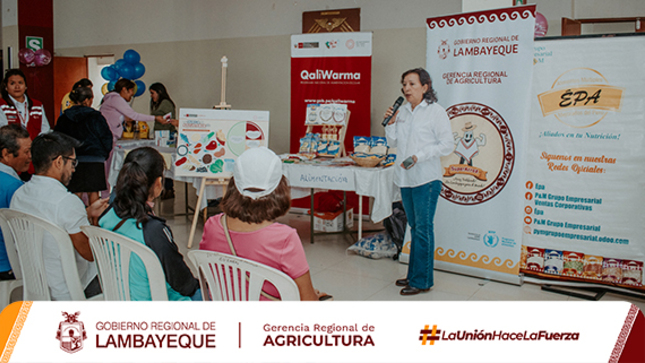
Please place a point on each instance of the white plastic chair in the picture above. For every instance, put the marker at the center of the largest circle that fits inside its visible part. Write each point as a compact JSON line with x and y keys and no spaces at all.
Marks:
{"x":112,"y":253}
{"x":7,"y":286}
{"x":220,"y":278}
{"x":28,"y":231}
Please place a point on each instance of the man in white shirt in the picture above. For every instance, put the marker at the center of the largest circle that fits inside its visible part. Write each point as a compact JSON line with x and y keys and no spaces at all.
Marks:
{"x":46,"y":196}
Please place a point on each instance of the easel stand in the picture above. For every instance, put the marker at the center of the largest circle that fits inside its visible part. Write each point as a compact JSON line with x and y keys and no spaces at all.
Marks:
{"x":205,"y":181}
{"x":223,"y":181}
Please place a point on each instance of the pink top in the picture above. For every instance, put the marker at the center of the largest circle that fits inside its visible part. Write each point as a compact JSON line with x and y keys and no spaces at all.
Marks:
{"x":276,"y":245}
{"x":113,"y":108}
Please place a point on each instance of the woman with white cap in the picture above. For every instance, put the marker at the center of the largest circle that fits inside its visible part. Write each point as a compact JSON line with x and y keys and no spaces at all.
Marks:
{"x":257,"y":195}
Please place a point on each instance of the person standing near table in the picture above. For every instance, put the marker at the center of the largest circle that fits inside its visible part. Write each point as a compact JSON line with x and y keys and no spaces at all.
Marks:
{"x":116,"y":110}
{"x":89,"y":127}
{"x":421,"y":132}
{"x":161,"y":105}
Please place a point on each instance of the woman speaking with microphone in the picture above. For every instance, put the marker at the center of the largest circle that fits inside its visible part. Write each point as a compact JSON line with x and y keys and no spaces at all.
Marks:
{"x":421,"y":132}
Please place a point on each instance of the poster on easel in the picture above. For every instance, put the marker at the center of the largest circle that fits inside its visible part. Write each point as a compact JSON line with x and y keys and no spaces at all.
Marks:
{"x":210,"y":141}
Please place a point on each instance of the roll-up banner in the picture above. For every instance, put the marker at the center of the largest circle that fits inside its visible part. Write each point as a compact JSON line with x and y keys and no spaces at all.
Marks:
{"x":481,"y":66}
{"x":584,"y":199}
{"x":331,"y":68}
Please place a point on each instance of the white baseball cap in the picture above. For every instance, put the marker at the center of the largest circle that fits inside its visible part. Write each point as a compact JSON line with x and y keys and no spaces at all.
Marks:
{"x":257,"y":168}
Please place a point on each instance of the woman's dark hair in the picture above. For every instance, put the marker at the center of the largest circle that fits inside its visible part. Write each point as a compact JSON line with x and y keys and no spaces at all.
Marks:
{"x":83,"y":82}
{"x":267,"y":208}
{"x":430,"y":96}
{"x":141,"y":168}
{"x":3,"y":86}
{"x":163,"y":95}
{"x":80,"y":94}
{"x":47,"y":147}
{"x":123,"y":83}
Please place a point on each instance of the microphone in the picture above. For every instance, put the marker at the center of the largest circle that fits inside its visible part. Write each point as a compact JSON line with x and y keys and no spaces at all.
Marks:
{"x":395,"y":107}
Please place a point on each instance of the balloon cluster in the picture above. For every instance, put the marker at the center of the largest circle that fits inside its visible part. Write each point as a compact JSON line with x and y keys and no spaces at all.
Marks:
{"x":541,"y":25}
{"x":129,"y":67}
{"x":39,"y":58}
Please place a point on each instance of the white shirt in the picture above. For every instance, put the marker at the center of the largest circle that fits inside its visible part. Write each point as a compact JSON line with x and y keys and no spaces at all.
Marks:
{"x":424,"y":132}
{"x":9,"y":170}
{"x":21,"y":107}
{"x":48,"y":198}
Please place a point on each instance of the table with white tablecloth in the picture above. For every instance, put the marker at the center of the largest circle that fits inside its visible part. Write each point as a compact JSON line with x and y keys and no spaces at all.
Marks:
{"x":365,"y":182}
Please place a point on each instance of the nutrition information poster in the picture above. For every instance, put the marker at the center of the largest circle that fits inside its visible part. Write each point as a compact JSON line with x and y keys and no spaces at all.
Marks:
{"x":584,"y":199}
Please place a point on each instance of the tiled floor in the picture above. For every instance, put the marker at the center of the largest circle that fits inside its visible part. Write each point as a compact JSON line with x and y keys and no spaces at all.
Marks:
{"x":355,"y":278}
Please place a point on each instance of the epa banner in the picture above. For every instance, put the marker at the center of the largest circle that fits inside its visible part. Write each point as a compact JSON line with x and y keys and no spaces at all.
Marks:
{"x":481,"y":66}
{"x":584,"y":199}
{"x":276,"y":332}
{"x":331,"y":68}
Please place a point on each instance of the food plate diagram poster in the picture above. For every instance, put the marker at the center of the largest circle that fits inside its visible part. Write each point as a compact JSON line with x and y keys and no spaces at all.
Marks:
{"x":210,"y":141}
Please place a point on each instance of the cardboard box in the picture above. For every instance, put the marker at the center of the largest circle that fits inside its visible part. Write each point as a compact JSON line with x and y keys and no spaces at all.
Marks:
{"x":333,"y":222}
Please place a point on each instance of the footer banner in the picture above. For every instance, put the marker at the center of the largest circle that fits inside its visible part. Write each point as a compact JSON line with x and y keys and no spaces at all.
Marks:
{"x":322,"y":332}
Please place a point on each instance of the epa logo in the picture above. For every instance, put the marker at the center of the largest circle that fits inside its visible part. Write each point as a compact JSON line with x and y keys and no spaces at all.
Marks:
{"x":491,"y":240}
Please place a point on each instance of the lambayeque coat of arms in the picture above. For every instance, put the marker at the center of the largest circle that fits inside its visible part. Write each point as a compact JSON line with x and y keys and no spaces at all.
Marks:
{"x":71,"y":333}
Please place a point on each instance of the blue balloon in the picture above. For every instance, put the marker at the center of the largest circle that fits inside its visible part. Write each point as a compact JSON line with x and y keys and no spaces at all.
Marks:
{"x":118,"y":64}
{"x":127,"y":71}
{"x":141,"y":87}
{"x":108,"y":73}
{"x":139,"y":70}
{"x":111,"y":86}
{"x":131,"y":56}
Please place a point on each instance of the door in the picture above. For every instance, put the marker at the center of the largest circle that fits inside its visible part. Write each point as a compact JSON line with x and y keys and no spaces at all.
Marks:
{"x":67,"y":71}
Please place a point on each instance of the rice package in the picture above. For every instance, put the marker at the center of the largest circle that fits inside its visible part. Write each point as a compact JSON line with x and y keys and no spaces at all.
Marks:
{"x":593,"y":267}
{"x":389,"y":160}
{"x":535,"y":259}
{"x":322,"y":147}
{"x":361,"y":144}
{"x":632,"y":272}
{"x":574,"y":263}
{"x":611,"y":271}
{"x":553,"y":262}
{"x":312,"y":114}
{"x":378,"y":141}
{"x":333,"y":148}
{"x":305,"y":145}
{"x":377,"y":246}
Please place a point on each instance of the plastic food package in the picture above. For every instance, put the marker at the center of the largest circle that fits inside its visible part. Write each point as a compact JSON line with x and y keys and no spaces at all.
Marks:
{"x":375,"y":247}
{"x":553,"y":262}
{"x":574,"y":263}
{"x":535,"y":259}
{"x":611,"y":271}
{"x":593,"y":267}
{"x":632,"y":272}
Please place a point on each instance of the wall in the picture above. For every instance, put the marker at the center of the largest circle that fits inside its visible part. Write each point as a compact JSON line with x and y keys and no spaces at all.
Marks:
{"x":181,"y":43}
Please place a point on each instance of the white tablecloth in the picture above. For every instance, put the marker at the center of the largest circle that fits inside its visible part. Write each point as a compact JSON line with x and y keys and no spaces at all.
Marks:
{"x":370,"y":182}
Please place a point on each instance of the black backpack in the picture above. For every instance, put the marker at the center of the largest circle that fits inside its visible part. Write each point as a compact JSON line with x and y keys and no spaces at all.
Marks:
{"x":395,"y":226}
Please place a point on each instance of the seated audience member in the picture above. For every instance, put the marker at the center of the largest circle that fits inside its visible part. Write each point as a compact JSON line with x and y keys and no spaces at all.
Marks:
{"x":256,"y":196}
{"x":139,"y":183}
{"x":15,"y":157}
{"x":46,"y":196}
